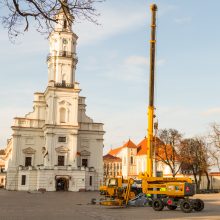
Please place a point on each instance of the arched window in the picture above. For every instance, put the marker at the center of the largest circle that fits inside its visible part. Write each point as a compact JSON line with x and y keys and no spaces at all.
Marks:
{"x":64,"y":51}
{"x":64,"y":79}
{"x":62,"y":115}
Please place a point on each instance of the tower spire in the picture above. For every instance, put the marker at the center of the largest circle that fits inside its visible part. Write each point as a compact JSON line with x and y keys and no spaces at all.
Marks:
{"x":62,"y":59}
{"x":64,"y":18}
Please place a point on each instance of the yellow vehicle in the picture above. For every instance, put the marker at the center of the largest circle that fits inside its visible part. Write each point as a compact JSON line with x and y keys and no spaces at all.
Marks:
{"x":111,"y":184}
{"x":117,"y":192}
{"x":170,"y":192}
{"x":160,"y":191}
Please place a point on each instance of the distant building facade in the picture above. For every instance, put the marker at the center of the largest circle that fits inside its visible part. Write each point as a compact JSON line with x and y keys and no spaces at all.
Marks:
{"x":2,"y":170}
{"x":4,"y":158}
{"x":57,"y":146}
{"x":112,"y":166}
{"x":133,"y":160}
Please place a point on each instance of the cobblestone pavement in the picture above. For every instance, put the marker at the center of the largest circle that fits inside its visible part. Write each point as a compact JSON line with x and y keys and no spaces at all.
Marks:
{"x":75,"y":206}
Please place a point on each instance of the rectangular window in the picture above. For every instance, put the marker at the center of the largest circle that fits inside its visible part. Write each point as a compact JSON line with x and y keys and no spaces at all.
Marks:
{"x":132,"y":160}
{"x":64,"y":24}
{"x":90,"y":180}
{"x":2,"y":181}
{"x":61,"y":160}
{"x":84,"y":162}
{"x":23,"y":180}
{"x":28,"y":161}
{"x":61,"y":139}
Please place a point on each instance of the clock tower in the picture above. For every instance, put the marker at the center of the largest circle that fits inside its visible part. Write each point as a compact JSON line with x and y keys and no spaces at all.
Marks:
{"x":57,"y":146}
{"x":62,"y":58}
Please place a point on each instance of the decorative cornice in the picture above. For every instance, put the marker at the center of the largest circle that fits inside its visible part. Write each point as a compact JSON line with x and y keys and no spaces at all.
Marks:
{"x":85,"y":153}
{"x":29,"y":150}
{"x":62,"y":149}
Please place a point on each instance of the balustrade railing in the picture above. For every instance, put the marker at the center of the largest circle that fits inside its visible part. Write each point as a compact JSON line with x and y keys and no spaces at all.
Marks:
{"x":64,"y":85}
{"x":63,"y":54}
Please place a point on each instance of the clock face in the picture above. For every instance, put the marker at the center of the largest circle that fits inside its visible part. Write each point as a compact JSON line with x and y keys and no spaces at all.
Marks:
{"x":64,"y":40}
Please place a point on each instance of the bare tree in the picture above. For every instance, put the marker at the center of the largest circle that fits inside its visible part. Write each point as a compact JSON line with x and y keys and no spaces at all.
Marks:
{"x":214,"y":142}
{"x":168,"y":151}
{"x":195,"y":158}
{"x":19,"y":14}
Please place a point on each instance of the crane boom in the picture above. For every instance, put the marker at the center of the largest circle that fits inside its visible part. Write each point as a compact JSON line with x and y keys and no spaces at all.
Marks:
{"x":151,"y":92}
{"x":161,"y":191}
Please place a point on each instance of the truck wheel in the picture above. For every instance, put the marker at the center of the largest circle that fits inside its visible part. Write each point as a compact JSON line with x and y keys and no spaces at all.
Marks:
{"x":157,"y":205}
{"x":199,"y":205}
{"x":186,"y":206}
{"x":171,"y":207}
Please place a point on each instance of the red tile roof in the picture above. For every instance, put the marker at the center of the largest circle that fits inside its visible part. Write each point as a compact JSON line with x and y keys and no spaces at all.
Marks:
{"x":115,"y":151}
{"x":142,"y":147}
{"x":109,"y":157}
{"x":128,"y":144}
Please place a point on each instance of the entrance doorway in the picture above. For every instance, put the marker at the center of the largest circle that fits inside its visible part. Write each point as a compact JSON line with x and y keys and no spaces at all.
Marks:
{"x":62,"y":184}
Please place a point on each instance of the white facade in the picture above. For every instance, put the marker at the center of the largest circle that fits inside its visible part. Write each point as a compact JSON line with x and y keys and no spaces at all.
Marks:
{"x":128,"y":154}
{"x":134,"y":160}
{"x":57,"y":145}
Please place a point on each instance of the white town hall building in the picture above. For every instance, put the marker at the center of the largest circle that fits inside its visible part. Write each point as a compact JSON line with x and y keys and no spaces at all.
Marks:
{"x":57,"y":146}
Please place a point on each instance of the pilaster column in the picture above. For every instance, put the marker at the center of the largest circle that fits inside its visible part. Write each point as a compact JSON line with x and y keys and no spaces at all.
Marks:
{"x":73,"y":150}
{"x":49,"y":146}
{"x":15,"y":151}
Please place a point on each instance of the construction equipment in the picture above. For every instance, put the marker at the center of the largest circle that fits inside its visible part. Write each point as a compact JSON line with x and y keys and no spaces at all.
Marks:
{"x":118,"y":191}
{"x":158,"y":191}
{"x":170,"y":192}
{"x":111,"y":184}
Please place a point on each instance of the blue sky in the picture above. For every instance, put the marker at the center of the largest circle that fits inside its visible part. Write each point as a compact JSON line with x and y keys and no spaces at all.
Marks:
{"x":113,"y":69}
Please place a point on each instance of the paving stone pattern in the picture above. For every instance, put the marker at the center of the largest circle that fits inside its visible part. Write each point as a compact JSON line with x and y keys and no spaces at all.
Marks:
{"x":75,"y":206}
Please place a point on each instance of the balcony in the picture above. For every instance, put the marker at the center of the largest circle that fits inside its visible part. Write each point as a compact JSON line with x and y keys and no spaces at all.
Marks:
{"x":64,"y":85}
{"x":63,"y":54}
{"x":91,"y":126}
{"x":28,"y":123}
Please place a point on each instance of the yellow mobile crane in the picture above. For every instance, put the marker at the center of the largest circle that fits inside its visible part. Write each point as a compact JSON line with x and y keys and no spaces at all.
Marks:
{"x":169,"y":192}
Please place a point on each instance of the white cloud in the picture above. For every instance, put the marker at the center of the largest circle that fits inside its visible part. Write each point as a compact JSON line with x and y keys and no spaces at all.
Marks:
{"x":136,"y":60}
{"x":212,"y":112}
{"x":132,"y":68}
{"x":113,"y":21}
